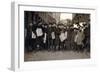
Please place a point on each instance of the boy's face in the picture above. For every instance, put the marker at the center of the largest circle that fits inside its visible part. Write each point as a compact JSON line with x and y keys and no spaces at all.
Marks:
{"x":49,"y":25}
{"x":45,"y":26}
{"x":30,"y":24}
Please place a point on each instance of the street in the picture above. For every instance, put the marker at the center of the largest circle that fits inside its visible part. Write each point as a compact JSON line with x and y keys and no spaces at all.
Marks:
{"x":57,"y":55}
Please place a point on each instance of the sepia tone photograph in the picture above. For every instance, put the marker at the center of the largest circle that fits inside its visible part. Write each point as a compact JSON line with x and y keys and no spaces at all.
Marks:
{"x":56,"y":36}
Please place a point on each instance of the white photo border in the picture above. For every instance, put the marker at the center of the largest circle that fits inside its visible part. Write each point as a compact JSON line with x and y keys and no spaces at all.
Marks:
{"x":17,"y":60}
